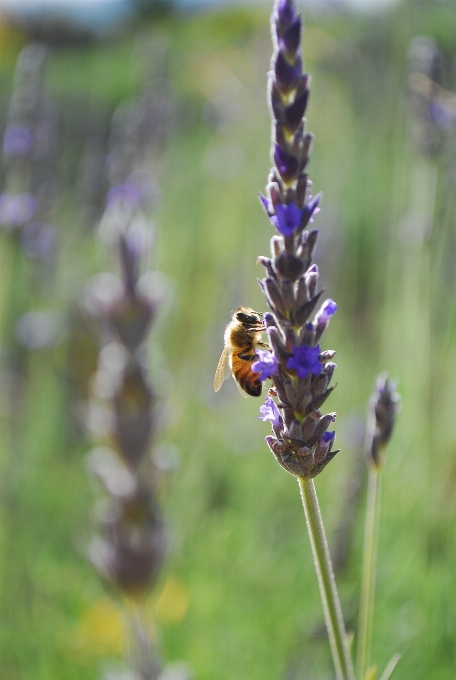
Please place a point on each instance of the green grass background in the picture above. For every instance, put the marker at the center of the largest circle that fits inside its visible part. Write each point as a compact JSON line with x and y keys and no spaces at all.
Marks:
{"x":238,"y":596}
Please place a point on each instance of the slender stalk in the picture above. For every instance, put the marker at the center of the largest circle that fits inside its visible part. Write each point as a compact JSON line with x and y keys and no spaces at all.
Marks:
{"x":366,"y":607}
{"x":328,"y":590}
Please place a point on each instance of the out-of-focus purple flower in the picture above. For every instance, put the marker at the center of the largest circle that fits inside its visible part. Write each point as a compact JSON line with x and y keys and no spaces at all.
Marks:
{"x":266,"y":364}
{"x":442,"y":116}
{"x":17,"y":140}
{"x":38,"y":240}
{"x":16,"y":209}
{"x":269,"y":411}
{"x":305,"y":361}
{"x":328,"y":309}
{"x":128,"y":194}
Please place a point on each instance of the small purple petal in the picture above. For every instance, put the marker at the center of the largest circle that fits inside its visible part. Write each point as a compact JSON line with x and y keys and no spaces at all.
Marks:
{"x":327,"y":437}
{"x":266,"y":364}
{"x":305,"y":360}
{"x":269,"y":411}
{"x":266,"y":204}
{"x":288,"y":218}
{"x":311,"y":208}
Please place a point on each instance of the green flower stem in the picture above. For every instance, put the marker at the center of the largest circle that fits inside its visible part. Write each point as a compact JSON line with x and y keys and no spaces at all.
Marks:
{"x":366,"y":607}
{"x":328,"y":591}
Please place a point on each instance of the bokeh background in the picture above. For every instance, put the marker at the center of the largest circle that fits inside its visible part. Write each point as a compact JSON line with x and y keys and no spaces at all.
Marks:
{"x":170,"y":103}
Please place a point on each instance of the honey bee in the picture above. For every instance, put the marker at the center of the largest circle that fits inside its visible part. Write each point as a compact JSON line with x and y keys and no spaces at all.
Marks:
{"x":242,"y":338}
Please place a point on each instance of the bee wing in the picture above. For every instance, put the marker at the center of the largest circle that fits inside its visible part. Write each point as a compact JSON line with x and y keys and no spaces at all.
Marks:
{"x":240,"y":390}
{"x":223,"y":370}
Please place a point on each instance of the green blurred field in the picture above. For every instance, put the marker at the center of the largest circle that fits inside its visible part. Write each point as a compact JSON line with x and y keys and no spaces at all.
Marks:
{"x":238,"y":597}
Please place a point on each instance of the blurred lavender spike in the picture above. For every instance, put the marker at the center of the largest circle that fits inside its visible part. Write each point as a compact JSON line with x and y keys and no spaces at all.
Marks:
{"x":383,"y":407}
{"x":432,"y":108}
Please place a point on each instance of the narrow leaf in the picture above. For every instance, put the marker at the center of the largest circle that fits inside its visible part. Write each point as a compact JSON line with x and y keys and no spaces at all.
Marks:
{"x":389,"y":670}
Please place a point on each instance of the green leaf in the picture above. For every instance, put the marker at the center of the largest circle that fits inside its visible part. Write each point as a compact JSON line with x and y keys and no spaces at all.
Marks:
{"x":371,"y":673}
{"x":389,"y":670}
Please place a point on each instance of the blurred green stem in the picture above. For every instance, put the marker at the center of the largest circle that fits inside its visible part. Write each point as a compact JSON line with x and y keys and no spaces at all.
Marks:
{"x":326,"y":581}
{"x":366,"y":607}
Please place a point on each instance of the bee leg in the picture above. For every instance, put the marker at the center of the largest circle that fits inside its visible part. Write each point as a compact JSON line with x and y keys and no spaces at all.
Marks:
{"x":266,"y":345}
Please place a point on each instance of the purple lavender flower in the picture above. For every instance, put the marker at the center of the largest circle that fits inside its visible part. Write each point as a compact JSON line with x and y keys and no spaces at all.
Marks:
{"x":302,"y":372}
{"x":128,"y":194}
{"x":266,"y":364}
{"x":287,"y":218}
{"x":305,"y":361}
{"x":269,"y":411}
{"x":16,"y":209}
{"x":17,"y":141}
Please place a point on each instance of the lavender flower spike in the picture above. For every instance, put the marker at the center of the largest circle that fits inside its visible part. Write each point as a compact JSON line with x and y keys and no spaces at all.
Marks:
{"x":302,"y":372}
{"x":300,"y":440}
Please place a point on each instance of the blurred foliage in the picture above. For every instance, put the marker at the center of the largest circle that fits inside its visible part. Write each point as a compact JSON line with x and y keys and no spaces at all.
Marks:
{"x":239,"y":597}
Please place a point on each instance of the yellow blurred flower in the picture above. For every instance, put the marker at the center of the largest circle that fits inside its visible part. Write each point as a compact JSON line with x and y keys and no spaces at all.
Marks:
{"x":172,"y":603}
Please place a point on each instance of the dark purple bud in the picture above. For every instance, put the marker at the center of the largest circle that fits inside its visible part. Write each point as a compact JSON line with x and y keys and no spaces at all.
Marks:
{"x":305,"y":360}
{"x":301,"y":189}
{"x":287,"y":164}
{"x":277,"y":108}
{"x":312,"y":276}
{"x":284,"y":13}
{"x":324,"y":447}
{"x":319,"y":401}
{"x":309,"y":425}
{"x":329,"y":369}
{"x":289,"y":265}
{"x":288,"y":294}
{"x":274,"y":293}
{"x":268,"y":264}
{"x":294,"y":112}
{"x":310,"y":209}
{"x":383,"y":407}
{"x":304,"y":311}
{"x":302,"y":292}
{"x":290,"y":40}
{"x":322,"y":425}
{"x":279,"y":348}
{"x":307,"y":335}
{"x":286,"y":73}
